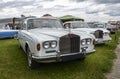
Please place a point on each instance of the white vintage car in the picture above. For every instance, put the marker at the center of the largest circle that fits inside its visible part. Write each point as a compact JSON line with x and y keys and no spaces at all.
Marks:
{"x":101,"y":34}
{"x":45,"y":40}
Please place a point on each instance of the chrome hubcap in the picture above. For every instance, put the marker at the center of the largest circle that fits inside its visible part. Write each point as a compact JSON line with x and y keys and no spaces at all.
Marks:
{"x":29,"y":58}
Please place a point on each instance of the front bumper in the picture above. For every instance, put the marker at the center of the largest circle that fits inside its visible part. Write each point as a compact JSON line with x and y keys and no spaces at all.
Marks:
{"x":102,"y":41}
{"x":90,"y":51}
{"x":59,"y":58}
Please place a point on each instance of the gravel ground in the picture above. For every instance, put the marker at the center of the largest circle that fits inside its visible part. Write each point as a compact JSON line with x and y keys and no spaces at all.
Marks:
{"x":115,"y":73}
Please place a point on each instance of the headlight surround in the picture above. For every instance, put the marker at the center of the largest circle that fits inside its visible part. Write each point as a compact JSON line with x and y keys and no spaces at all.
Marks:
{"x":50,"y":44}
{"x":86,"y":41}
{"x":53,"y":44}
{"x":46,"y":44}
{"x":83,"y":42}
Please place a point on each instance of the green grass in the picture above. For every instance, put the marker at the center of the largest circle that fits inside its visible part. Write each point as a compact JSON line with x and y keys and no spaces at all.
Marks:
{"x":13,"y":64}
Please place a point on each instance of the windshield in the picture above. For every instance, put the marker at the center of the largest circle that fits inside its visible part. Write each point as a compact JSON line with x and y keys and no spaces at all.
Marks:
{"x":80,"y":25}
{"x":44,"y":23}
{"x":98,"y":26}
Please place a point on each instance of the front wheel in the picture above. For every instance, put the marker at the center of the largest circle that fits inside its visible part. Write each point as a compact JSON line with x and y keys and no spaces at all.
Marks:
{"x":31,"y":63}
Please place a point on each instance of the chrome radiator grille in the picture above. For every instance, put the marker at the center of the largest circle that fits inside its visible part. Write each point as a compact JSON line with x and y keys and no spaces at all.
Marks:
{"x":69,"y":44}
{"x":99,"y":34}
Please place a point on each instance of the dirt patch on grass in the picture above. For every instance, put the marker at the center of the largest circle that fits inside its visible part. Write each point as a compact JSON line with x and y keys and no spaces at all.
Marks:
{"x":115,"y":72}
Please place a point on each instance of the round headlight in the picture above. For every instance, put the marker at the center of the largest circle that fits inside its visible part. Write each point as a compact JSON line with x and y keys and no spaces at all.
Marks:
{"x":53,"y":44}
{"x":88,"y":41}
{"x":46,"y":44}
{"x":83,"y":42}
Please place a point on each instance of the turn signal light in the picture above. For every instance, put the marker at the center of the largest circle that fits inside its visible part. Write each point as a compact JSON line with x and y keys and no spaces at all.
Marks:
{"x":94,"y":42}
{"x":38,"y":47}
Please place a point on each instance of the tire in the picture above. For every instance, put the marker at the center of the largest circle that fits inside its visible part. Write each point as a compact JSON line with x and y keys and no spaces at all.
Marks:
{"x":31,"y":63}
{"x":19,"y":46}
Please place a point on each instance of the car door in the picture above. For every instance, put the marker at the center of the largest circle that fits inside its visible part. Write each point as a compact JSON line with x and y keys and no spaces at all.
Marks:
{"x":23,"y":36}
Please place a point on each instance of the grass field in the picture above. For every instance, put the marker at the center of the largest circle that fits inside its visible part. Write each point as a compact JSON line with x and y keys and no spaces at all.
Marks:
{"x":13,"y":64}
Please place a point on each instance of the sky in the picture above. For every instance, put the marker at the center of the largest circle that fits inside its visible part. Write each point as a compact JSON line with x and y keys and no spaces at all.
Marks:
{"x":90,"y":10}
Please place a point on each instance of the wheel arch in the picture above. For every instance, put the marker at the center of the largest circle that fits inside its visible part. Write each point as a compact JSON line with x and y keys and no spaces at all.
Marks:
{"x":27,"y":46}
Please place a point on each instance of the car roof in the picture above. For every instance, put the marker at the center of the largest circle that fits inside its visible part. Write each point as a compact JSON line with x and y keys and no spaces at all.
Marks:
{"x":48,"y":16}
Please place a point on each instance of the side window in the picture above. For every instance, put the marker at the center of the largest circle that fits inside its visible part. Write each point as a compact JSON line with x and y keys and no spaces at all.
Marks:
{"x":23,"y":27}
{"x":30,"y":24}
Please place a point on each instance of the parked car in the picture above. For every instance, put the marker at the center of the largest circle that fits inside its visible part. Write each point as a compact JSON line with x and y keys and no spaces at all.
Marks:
{"x":111,"y":28}
{"x":8,"y":33}
{"x":45,"y":40}
{"x":101,"y":35}
{"x":108,"y":26}
{"x":115,"y":23}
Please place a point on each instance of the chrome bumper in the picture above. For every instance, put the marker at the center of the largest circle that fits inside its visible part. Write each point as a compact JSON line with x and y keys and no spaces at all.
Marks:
{"x":102,"y":41}
{"x":59,"y":58}
{"x":90,"y":51}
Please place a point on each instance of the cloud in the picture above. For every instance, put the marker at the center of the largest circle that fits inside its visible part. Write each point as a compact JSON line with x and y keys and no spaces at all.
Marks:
{"x":60,"y":6}
{"x":99,"y":1}
{"x":107,"y":1}
{"x":74,"y":9}
{"x":48,"y":0}
{"x":95,"y":9}
{"x":16,"y":8}
{"x":113,"y":14}
{"x":92,"y":12}
{"x":12,"y":4}
{"x":113,"y":10}
{"x":78,"y":0}
{"x":104,"y":9}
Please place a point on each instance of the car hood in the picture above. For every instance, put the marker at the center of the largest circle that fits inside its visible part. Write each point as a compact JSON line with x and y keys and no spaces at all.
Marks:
{"x":90,"y":30}
{"x":57,"y":33}
{"x":103,"y":29}
{"x":49,"y":32}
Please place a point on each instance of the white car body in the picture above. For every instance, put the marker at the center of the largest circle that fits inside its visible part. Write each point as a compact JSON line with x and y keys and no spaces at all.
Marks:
{"x":66,"y":42}
{"x":85,"y":28}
